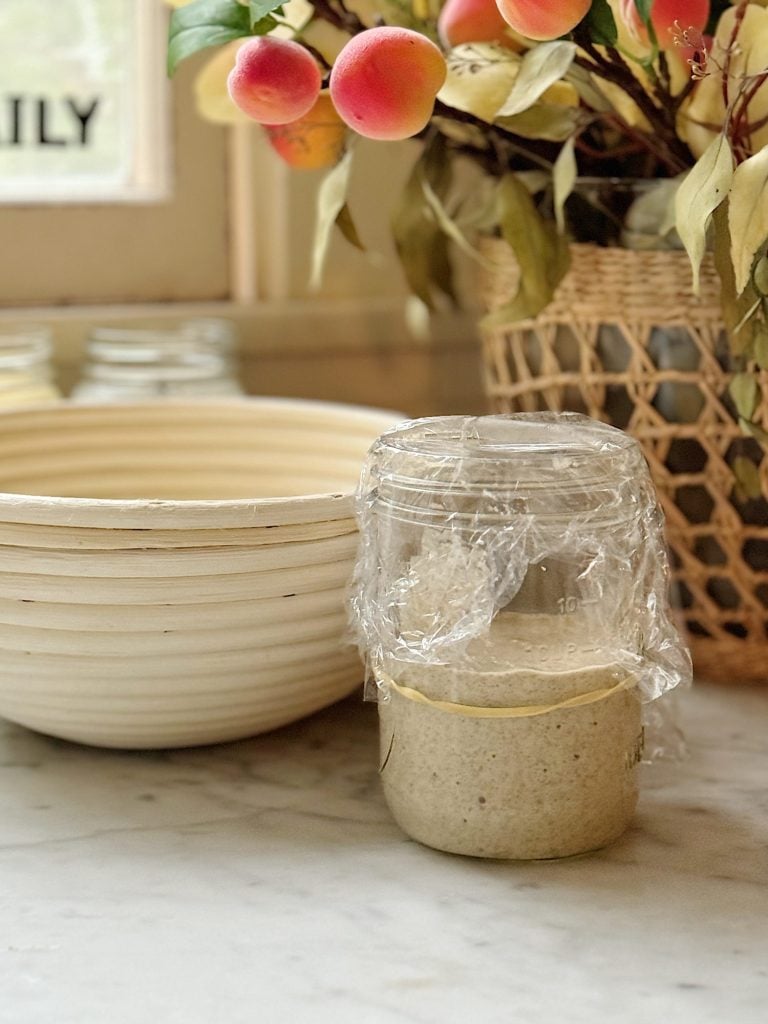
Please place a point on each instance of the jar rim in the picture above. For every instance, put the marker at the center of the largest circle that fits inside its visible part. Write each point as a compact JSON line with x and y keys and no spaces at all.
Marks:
{"x":488,"y":468}
{"x":540,"y":436}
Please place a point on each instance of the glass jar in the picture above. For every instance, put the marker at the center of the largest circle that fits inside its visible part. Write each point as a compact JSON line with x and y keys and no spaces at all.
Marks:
{"x":125,"y":364}
{"x":26,"y":373}
{"x":510,"y":602}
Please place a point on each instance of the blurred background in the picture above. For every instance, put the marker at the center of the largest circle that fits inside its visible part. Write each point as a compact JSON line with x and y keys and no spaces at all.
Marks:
{"x":121,"y":206}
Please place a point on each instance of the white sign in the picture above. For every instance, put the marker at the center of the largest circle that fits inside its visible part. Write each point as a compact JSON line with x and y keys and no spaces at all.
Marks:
{"x":82,"y":100}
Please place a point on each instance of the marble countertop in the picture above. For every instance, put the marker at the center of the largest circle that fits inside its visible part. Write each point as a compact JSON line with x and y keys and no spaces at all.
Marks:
{"x":264,"y":881}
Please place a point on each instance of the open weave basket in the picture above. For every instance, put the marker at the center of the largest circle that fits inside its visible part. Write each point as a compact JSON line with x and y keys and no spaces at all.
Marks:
{"x":626,"y":341}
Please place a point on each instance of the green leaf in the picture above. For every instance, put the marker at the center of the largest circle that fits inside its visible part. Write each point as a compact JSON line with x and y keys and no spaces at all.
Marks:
{"x":541,"y":252}
{"x":204,"y":23}
{"x":747,"y":478}
{"x":738,"y":310}
{"x":331,"y":199}
{"x":601,"y":24}
{"x":348,"y":228}
{"x":760,"y":276}
{"x":261,"y":8}
{"x":564,"y":172}
{"x":644,"y":10}
{"x":703,"y":189}
{"x":760,"y":345}
{"x":745,"y":394}
{"x":748,"y":215}
{"x":747,"y":321}
{"x":755,"y":430}
{"x":422,"y":246}
{"x":541,"y":67}
{"x":450,"y":228}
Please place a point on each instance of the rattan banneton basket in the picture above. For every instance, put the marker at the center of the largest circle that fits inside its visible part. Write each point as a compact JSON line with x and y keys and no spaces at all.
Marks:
{"x":626,"y":341}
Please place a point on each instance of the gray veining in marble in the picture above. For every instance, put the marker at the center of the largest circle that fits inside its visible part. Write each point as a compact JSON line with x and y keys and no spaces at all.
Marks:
{"x":264,"y":881}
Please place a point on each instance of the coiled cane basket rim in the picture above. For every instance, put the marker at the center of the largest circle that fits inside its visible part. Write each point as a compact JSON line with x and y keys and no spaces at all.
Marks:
{"x":719,"y":551}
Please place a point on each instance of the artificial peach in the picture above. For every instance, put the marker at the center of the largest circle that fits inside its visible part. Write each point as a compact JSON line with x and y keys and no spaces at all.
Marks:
{"x":543,"y":19}
{"x":668,"y":17}
{"x":313,"y":141}
{"x":473,"y":21}
{"x":274,"y":80}
{"x":384,"y":82}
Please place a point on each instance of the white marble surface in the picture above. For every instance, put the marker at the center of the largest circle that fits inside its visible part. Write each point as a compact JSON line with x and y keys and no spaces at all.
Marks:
{"x":264,"y":882}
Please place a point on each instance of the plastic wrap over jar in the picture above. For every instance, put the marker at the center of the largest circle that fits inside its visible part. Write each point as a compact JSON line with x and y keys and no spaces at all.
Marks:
{"x":531,"y":540}
{"x":510,"y":601}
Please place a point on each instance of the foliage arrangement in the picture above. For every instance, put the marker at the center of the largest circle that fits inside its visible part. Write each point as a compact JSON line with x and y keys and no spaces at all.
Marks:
{"x":536,"y":95}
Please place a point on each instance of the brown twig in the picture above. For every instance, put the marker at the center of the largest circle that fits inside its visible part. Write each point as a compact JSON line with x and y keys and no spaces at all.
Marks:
{"x":336,"y":14}
{"x":500,"y":139}
{"x":741,"y":130}
{"x":738,"y":18}
{"x":611,"y":66}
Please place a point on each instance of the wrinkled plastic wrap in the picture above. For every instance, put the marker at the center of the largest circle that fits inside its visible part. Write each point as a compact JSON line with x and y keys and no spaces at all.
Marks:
{"x":532,"y":542}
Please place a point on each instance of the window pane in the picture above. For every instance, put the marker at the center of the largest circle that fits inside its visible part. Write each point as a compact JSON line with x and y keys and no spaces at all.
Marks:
{"x":76,"y":118}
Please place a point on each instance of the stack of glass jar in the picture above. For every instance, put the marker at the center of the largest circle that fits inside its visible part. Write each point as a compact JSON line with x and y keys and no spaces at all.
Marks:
{"x":125,"y":364}
{"x":26,"y":375}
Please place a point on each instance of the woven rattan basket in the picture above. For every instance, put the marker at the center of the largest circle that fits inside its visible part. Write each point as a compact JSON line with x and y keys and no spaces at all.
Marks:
{"x":625,"y":341}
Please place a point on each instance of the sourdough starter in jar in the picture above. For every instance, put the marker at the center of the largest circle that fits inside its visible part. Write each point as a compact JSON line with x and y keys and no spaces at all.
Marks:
{"x":510,"y":600}
{"x":549,"y":784}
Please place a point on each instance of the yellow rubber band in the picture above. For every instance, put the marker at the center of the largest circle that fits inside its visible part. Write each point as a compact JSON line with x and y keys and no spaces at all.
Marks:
{"x":522,"y":711}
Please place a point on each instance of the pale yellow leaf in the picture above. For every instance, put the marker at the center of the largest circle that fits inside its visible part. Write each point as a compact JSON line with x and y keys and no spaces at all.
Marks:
{"x":650,"y":221}
{"x":331,"y":199}
{"x":748,"y":215}
{"x":564,"y":172}
{"x":418,"y":319}
{"x":327,"y":39}
{"x":587,"y":88}
{"x":534,"y":181}
{"x":701,"y":192}
{"x":210,"y":88}
{"x":549,"y":121}
{"x":542,"y":66}
{"x":479,"y":78}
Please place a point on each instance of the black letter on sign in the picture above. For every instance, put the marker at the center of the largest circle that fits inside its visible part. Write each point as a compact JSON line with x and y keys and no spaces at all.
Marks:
{"x":83,"y":116}
{"x":42,"y":135}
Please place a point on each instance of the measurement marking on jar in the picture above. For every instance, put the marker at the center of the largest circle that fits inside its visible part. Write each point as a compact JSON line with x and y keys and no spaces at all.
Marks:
{"x":568,"y":605}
